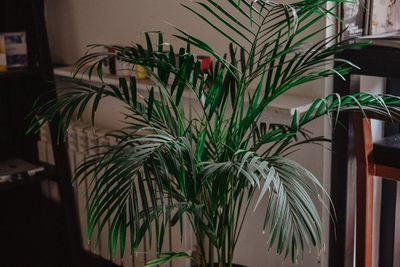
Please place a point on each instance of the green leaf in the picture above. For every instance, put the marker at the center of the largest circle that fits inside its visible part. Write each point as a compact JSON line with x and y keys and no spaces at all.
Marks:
{"x":149,"y":44}
{"x":133,"y":89}
{"x":166,"y":257}
{"x":150,"y":103}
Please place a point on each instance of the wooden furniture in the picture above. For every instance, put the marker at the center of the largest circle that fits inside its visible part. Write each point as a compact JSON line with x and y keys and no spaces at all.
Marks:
{"x":382,"y":159}
{"x":286,"y":104}
{"x":373,"y":61}
{"x":34,"y":230}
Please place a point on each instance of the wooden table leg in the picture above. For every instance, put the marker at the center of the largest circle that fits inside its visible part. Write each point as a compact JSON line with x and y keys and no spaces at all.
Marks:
{"x":364,"y":192}
{"x":365,"y":198}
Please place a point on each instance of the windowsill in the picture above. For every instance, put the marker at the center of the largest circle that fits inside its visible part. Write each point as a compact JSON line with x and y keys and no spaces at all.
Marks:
{"x":286,"y":104}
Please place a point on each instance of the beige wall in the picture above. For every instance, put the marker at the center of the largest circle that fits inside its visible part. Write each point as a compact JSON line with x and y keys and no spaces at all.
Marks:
{"x":73,"y":24}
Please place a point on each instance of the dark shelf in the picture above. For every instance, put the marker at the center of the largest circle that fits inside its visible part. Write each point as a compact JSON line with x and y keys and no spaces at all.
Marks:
{"x":46,"y":232}
{"x":18,"y":73}
{"x":47,"y":174}
{"x":374,"y":60}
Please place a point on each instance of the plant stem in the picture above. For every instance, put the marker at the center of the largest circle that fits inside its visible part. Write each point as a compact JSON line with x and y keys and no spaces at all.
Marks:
{"x":210,"y":254}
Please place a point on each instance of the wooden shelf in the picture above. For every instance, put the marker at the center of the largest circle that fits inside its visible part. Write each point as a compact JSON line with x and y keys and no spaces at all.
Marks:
{"x":286,"y":104}
{"x":47,"y":174}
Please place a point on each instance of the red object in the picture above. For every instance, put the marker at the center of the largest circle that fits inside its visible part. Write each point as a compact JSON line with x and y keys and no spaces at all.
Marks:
{"x":205,"y":62}
{"x":111,"y":60}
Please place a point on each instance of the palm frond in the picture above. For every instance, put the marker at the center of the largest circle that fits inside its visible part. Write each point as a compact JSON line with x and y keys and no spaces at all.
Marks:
{"x":132,"y":180}
{"x":332,"y":105}
{"x":210,"y":160}
{"x":291,"y":213}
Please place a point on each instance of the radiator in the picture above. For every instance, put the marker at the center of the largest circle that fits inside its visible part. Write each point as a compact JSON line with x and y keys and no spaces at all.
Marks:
{"x":81,"y":138}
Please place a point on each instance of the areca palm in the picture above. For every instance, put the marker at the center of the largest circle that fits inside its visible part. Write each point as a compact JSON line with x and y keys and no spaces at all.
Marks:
{"x":209,"y":160}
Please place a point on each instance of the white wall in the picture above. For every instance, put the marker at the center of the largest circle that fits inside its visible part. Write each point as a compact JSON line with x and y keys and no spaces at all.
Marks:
{"x":73,"y":24}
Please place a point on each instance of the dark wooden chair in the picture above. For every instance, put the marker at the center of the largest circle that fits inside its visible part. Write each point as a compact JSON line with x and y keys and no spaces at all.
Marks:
{"x":381,"y":158}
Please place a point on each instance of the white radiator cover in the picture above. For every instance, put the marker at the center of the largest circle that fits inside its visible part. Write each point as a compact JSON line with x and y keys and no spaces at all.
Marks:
{"x":82,"y":138}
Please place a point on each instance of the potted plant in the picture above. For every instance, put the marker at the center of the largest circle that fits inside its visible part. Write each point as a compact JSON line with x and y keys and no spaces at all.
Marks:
{"x":209,"y":161}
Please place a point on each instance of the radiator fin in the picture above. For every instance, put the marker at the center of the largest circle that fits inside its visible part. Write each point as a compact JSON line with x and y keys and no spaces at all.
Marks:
{"x":84,"y":140}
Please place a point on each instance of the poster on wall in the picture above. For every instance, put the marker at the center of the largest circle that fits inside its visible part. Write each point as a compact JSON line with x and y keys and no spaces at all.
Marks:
{"x":3,"y":61}
{"x":354,"y":18}
{"x":385,"y":16}
{"x":16,"y":49}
